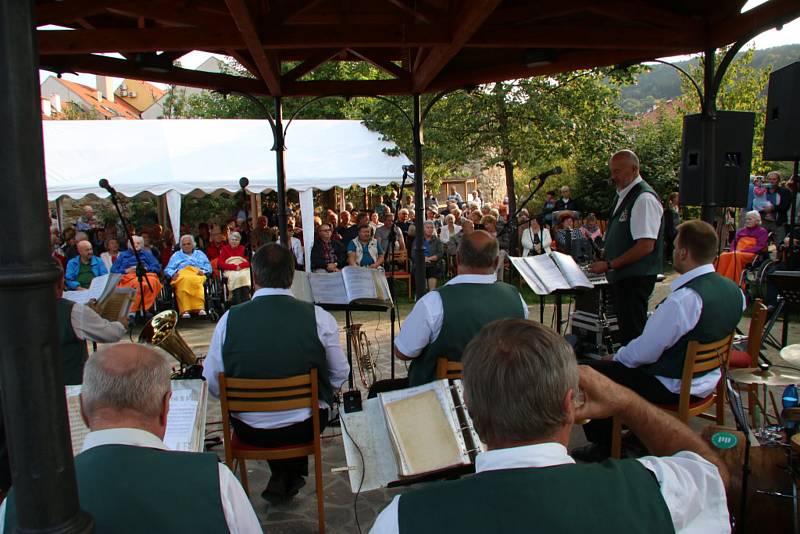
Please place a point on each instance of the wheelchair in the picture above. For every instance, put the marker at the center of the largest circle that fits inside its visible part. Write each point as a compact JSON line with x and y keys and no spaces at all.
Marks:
{"x":212,"y":292}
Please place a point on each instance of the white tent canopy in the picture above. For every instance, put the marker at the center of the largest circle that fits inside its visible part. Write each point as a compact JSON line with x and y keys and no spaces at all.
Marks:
{"x":175,"y":157}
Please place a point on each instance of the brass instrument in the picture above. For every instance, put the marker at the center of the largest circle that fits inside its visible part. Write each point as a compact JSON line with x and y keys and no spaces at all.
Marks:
{"x":362,"y":355}
{"x":161,"y":332}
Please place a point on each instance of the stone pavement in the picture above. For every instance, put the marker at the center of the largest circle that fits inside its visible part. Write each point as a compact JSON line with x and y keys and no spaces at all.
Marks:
{"x":299,"y":516}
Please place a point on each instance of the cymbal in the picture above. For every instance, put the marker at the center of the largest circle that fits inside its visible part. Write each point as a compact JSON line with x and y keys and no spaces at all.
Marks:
{"x":771,"y":377}
{"x":791,"y":353}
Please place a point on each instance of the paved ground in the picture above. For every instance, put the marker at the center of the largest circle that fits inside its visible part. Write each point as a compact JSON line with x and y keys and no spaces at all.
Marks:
{"x":300,"y":515}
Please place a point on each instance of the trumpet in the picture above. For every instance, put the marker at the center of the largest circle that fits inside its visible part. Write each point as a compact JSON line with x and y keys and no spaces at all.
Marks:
{"x":362,"y":355}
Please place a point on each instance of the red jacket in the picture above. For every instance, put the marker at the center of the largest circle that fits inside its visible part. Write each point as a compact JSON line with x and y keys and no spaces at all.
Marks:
{"x":231,"y":252}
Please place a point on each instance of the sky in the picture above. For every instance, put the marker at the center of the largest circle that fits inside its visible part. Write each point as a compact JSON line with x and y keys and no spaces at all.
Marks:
{"x":789,"y":34}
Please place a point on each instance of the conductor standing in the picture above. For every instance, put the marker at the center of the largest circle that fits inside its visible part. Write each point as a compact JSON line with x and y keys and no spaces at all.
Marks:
{"x":634,"y":245}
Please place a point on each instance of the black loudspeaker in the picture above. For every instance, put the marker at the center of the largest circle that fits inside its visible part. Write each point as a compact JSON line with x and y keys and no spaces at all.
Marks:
{"x":724,"y":180}
{"x":782,"y":130}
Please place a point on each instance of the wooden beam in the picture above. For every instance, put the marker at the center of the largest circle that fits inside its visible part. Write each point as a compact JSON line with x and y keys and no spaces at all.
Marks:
{"x":121,"y":68}
{"x":419,"y":9}
{"x":384,"y":65}
{"x":167,"y":12}
{"x":467,"y":22}
{"x":310,"y":64}
{"x":628,"y":11}
{"x":223,"y":36}
{"x":267,"y":65}
{"x":606,"y":37}
{"x":63,"y":12}
{"x":348,"y":88}
{"x":244,"y":59}
{"x":759,"y":19}
{"x":137,"y":40}
{"x":288,"y":10}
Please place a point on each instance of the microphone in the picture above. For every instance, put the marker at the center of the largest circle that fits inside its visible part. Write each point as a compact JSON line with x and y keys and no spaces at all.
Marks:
{"x":243,"y":182}
{"x":105,"y":185}
{"x":408,"y":168}
{"x":551,"y":172}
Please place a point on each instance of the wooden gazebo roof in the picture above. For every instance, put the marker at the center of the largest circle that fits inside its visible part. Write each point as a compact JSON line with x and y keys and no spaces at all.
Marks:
{"x":420,"y":45}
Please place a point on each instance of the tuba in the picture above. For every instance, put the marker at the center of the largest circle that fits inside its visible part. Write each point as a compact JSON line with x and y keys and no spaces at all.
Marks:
{"x":362,"y":354}
{"x":161,"y":332}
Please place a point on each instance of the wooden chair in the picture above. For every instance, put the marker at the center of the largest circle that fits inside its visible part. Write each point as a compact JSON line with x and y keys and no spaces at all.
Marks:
{"x":403,"y":273}
{"x":749,"y":358}
{"x":447,"y":369}
{"x":247,"y":395}
{"x":700,"y":358}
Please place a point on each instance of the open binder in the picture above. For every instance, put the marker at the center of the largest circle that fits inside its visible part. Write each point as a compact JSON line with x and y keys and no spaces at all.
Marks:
{"x":111,"y":302}
{"x":351,"y":285}
{"x":551,"y":272}
{"x":429,"y":428}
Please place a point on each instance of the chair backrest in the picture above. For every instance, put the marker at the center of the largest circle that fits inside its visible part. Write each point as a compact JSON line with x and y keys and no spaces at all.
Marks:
{"x":756,"y":332}
{"x":272,"y":395}
{"x":704,"y":357}
{"x":447,"y":369}
{"x":400,"y":256}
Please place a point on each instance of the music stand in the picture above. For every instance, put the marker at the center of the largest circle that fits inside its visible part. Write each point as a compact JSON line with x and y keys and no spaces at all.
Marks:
{"x":788,"y":285}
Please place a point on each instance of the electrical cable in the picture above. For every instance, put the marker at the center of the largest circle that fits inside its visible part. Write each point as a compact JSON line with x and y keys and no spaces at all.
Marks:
{"x":363,"y":469}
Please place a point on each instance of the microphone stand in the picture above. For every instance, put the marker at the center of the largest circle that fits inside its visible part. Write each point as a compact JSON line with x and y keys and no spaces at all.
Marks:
{"x":512,"y":219}
{"x":141,"y":271}
{"x":390,"y":254}
{"x":248,"y":250}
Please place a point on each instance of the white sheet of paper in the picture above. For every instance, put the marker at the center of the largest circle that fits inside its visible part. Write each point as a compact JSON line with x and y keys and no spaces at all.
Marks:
{"x":359,"y":283}
{"x":328,"y":288}
{"x":571,"y":271}
{"x":529,"y":275}
{"x":180,"y":425}
{"x":547,"y":271}
{"x":77,"y":429}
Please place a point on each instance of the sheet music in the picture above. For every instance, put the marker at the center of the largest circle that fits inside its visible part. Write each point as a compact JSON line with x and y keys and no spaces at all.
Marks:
{"x":547,"y":271}
{"x":77,"y":429}
{"x":528,"y":275}
{"x":459,"y":386}
{"x":359,"y":283}
{"x":301,"y":288}
{"x":572,"y":272}
{"x":328,"y":288}
{"x":180,"y":424}
{"x":115,"y":307}
{"x":95,"y":291}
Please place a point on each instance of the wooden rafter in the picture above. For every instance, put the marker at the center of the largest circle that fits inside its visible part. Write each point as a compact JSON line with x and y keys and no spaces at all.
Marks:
{"x":267,"y":64}
{"x":310,"y":64}
{"x":63,"y":12}
{"x":467,"y":22}
{"x":384,"y":65}
{"x":167,"y":12}
{"x":761,"y":18}
{"x":244,"y":59}
{"x":348,"y":88}
{"x":137,"y":40}
{"x":627,"y":10}
{"x":121,"y":68}
{"x":293,"y":8}
{"x":419,"y":9}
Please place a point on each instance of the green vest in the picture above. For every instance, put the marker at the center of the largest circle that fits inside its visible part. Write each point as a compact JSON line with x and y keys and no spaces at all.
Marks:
{"x":466,"y":309}
{"x":722,"y":309}
{"x":73,"y":350}
{"x":275,"y":336}
{"x":128,"y":489}
{"x":619,"y":239}
{"x":613,"y":497}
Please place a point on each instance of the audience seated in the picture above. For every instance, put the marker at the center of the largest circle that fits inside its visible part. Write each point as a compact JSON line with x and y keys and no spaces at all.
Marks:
{"x":235,"y":268}
{"x":275,"y":335}
{"x":526,"y":481}
{"x":749,"y":241}
{"x":364,"y":250}
{"x":84,"y":267}
{"x":188,"y":269}
{"x":433,"y":251}
{"x":535,"y":238}
{"x":127,"y":479}
{"x":383,"y":232}
{"x":111,"y":252}
{"x":125,"y":265}
{"x":327,"y":255}
{"x":571,"y":240}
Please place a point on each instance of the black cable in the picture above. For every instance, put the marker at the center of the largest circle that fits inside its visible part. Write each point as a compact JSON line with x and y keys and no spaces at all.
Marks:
{"x":363,"y":470}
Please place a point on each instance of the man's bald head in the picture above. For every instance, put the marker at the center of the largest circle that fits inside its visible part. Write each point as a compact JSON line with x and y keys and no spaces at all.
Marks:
{"x":84,"y":249}
{"x":123,"y":383}
{"x":477,"y":252}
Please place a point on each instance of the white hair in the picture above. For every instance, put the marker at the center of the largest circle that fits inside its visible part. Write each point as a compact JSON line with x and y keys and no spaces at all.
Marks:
{"x":234,"y":235}
{"x":630,"y":155}
{"x":190,"y":236}
{"x":754,"y":214}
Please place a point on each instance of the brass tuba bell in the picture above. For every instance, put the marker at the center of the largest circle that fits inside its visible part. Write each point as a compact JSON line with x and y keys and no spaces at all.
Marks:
{"x":161,"y":332}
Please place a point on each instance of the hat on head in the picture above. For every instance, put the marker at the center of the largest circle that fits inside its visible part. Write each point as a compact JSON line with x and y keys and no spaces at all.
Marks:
{"x":564,"y":214}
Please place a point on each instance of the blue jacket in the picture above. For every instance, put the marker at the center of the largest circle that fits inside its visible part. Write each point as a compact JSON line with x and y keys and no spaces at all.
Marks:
{"x":179,"y":260}
{"x":127,"y":259}
{"x":73,"y":267}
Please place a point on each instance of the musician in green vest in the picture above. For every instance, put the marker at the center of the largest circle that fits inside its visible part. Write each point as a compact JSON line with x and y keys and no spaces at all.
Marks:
{"x":78,"y":323}
{"x":703,"y":306}
{"x":442,"y":322}
{"x":275,"y":335}
{"x":128,"y":481}
{"x":524,"y":391}
{"x":633,"y":245}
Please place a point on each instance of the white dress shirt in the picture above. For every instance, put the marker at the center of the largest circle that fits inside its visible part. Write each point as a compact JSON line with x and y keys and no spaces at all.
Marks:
{"x":645,"y":213}
{"x":90,"y":325}
{"x":239,"y":513}
{"x":424,"y":322}
{"x":673,"y":318}
{"x":691,"y":486}
{"x":328,"y":333}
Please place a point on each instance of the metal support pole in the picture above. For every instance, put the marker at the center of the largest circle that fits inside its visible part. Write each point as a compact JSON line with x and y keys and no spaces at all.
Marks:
{"x":31,"y":381}
{"x":709,"y":137}
{"x":280,"y":149}
{"x":419,"y":204}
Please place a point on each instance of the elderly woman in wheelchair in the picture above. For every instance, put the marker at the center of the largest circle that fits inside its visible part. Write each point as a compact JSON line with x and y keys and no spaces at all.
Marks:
{"x":750,"y":241}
